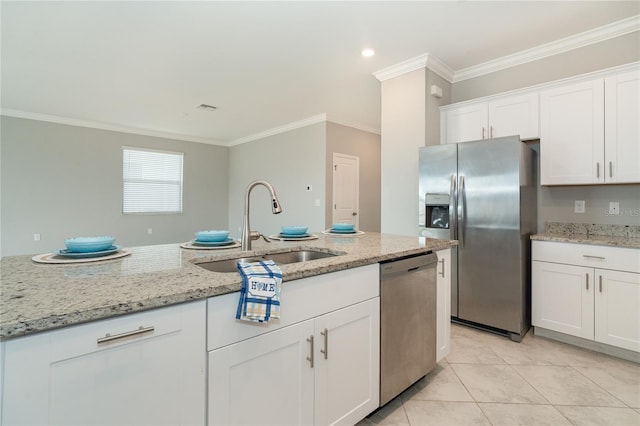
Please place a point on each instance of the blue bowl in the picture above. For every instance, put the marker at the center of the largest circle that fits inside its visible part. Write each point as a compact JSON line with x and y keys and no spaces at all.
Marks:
{"x":212,"y":236}
{"x":294,"y":230}
{"x":88,"y":244}
{"x":343,"y":226}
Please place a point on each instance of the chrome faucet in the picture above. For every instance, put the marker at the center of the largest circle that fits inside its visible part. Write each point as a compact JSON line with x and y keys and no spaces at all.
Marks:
{"x":247,"y":235}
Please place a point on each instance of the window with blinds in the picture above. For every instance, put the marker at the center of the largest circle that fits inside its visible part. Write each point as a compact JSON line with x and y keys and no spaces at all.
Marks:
{"x":151,"y":181}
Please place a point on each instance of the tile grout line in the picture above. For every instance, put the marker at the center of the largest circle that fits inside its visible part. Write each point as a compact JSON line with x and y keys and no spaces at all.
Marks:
{"x":601,"y":387}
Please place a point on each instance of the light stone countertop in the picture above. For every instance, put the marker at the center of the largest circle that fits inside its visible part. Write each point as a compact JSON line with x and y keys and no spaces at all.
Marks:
{"x":592,"y":234}
{"x":37,"y":297}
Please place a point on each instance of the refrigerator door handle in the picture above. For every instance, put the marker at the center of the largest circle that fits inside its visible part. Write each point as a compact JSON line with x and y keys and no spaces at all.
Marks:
{"x":462,"y":214}
{"x":453,"y":195}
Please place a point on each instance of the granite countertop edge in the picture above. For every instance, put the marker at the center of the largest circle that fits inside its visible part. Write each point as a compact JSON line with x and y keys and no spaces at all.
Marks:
{"x":220,"y":284}
{"x":597,"y":240}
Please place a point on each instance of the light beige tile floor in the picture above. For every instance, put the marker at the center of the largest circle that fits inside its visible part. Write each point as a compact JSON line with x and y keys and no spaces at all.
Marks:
{"x":490,"y":380}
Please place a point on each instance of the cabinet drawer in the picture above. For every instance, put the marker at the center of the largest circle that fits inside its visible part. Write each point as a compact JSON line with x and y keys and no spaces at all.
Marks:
{"x":603,"y":257}
{"x":125,"y":330}
{"x":300,"y":300}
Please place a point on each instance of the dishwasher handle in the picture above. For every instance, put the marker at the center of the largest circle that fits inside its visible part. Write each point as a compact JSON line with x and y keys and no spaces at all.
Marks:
{"x":409,"y":264}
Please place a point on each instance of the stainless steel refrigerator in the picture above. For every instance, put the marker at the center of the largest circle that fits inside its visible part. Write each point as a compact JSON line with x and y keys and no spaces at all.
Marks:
{"x":483,"y":194}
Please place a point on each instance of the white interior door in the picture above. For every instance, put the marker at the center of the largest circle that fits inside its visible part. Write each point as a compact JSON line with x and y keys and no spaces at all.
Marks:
{"x":346,"y":169}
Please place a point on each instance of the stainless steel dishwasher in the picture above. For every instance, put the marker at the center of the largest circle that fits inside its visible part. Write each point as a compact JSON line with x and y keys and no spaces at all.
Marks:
{"x":407,"y":322}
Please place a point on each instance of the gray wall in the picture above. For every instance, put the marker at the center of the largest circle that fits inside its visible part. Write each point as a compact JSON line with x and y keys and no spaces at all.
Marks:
{"x":555,"y":204}
{"x":289,"y":161}
{"x":365,"y":145}
{"x":63,"y":181}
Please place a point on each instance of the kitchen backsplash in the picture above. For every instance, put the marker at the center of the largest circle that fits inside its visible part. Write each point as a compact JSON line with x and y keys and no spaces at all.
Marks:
{"x":592,"y":229}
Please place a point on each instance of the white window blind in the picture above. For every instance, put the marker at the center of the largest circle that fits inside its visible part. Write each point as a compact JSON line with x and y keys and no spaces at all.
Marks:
{"x":151,"y":181}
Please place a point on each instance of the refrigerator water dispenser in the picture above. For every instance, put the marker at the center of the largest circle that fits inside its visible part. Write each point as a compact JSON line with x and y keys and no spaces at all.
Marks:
{"x":437,"y":211}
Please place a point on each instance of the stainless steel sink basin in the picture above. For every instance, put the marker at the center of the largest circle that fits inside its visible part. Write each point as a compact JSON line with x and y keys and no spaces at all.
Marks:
{"x":230,"y":265}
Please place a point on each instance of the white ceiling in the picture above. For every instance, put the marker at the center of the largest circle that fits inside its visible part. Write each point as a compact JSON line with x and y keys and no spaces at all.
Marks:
{"x":147,"y":65}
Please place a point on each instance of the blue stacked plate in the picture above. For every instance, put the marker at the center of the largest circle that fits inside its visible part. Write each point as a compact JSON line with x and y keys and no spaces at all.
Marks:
{"x":343,"y":228}
{"x":225,"y":242}
{"x":294,"y":232}
{"x":86,"y":255}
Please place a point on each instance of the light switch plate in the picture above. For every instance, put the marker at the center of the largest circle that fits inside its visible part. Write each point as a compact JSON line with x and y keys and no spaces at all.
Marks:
{"x":578,"y":206}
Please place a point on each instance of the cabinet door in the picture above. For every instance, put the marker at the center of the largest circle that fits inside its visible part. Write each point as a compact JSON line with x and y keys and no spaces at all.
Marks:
{"x":466,"y":123}
{"x":562,"y":298}
{"x":265,"y":380}
{"x":617,"y":309}
{"x":514,"y":115}
{"x":443,"y":292}
{"x":622,"y":131}
{"x":347,"y":364}
{"x":572,"y":134}
{"x":154,"y":377}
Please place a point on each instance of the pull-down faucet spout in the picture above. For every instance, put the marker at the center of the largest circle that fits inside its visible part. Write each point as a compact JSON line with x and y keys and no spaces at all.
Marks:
{"x":247,"y":235}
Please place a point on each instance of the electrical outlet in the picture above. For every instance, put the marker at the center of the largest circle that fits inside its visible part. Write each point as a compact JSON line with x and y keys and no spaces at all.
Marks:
{"x":317,"y":202}
{"x":36,"y":237}
{"x":149,"y":231}
{"x":614,"y":208}
{"x":578,"y":206}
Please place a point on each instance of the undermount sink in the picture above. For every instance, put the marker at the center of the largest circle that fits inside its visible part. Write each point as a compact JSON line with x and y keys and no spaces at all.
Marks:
{"x":230,"y":265}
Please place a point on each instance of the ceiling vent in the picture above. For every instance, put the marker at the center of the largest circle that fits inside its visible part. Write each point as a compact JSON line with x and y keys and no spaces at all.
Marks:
{"x":208,"y":107}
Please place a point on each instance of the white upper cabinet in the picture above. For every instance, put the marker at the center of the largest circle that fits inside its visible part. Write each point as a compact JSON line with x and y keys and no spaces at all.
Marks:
{"x":465,"y":123}
{"x":589,"y":132}
{"x":514,"y":115}
{"x":572,"y":134}
{"x":503,"y":116}
{"x":622,"y":128}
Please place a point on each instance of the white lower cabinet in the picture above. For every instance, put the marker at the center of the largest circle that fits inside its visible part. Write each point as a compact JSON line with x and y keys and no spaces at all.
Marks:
{"x":265,"y":380}
{"x":139,"y":369}
{"x":321,"y":371}
{"x":318,"y":364}
{"x":443,"y":306}
{"x":589,"y":292}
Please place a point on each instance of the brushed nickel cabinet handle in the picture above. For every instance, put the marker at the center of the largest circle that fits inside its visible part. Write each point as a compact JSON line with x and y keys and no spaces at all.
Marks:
{"x":587,"y":276}
{"x":325,"y":351}
{"x":490,"y":132}
{"x":109,"y":338}
{"x":310,"y":358}
{"x":593,"y":257}
{"x":600,"y":282}
{"x":482,"y":132}
{"x":442,"y":271}
{"x":598,"y":170}
{"x":610,"y":169}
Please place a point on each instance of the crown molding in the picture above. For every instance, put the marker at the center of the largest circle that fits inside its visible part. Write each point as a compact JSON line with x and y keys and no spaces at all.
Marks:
{"x":426,"y":60}
{"x":105,"y":126}
{"x":606,"y":32}
{"x":341,"y":122}
{"x":280,"y":129}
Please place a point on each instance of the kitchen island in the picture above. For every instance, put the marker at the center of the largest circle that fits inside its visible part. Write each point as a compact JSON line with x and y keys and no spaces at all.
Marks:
{"x":39,"y":297}
{"x":151,"y":338}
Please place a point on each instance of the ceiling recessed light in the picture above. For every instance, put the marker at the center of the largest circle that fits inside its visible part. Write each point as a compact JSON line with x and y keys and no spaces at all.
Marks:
{"x":207,"y":107}
{"x":368,"y":52}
